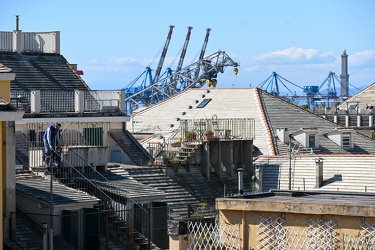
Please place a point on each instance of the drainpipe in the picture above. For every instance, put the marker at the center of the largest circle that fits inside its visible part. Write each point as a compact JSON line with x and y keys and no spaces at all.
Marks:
{"x":240,"y":180}
{"x":319,"y":172}
{"x":45,"y":236}
{"x":258,"y":178}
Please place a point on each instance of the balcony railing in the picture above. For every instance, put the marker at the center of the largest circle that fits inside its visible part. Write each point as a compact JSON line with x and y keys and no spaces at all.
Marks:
{"x":18,"y":41}
{"x":75,"y":102}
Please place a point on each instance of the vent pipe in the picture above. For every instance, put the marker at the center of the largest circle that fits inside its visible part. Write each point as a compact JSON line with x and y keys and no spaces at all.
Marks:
{"x":17,"y":22}
{"x":240,"y":180}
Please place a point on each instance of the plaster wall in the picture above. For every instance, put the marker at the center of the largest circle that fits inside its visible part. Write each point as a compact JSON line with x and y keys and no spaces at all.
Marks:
{"x":40,"y":210}
{"x":247,"y":214}
{"x":113,"y":146}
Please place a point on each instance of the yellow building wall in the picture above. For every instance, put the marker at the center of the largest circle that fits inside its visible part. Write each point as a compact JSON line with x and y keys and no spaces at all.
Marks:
{"x":5,"y":94}
{"x":5,"y":89}
{"x":293,"y":222}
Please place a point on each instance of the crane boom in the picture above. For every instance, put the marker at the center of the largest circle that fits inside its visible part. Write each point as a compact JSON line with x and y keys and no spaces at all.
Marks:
{"x":184,"y":79}
{"x":164,"y":53}
{"x":203,"y":50}
{"x":182,"y":57}
{"x":204,"y":44}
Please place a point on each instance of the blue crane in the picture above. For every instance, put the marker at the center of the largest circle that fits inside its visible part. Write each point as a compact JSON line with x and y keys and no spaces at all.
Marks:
{"x":271,"y":85}
{"x":186,"y":78}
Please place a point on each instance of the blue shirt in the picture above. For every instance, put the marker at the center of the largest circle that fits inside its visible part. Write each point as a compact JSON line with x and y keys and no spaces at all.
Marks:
{"x":52,"y":135}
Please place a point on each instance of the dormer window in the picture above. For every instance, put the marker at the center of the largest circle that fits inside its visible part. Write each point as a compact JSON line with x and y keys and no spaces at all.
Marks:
{"x":308,"y":137}
{"x":342,"y":137}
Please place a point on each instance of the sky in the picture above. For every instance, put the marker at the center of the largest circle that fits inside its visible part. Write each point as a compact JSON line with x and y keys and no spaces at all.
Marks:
{"x":302,"y":41}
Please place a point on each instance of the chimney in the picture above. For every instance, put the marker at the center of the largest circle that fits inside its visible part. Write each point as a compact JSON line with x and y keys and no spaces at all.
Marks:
{"x":17,"y":37}
{"x":17,"y":22}
{"x":319,"y":172}
{"x":283,"y":134}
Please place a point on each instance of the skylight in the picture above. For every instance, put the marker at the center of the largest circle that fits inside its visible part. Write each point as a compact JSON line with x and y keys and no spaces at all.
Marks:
{"x":204,"y":103}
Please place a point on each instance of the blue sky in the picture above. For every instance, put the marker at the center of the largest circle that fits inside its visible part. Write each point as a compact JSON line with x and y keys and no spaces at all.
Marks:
{"x":114,"y":41}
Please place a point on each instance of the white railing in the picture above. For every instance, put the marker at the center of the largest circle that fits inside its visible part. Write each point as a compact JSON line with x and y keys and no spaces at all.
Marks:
{"x":6,"y":41}
{"x":37,"y":102}
{"x":46,"y":42}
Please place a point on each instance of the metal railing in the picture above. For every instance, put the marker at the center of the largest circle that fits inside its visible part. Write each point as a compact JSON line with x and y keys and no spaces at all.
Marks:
{"x":193,"y":132}
{"x":90,"y":180}
{"x":83,"y":176}
{"x":29,"y":230}
{"x":57,"y":102}
{"x":227,"y":128}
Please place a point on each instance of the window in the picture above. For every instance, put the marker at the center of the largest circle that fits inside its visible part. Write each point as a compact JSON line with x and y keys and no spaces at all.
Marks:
{"x":311,"y":141}
{"x":94,"y":136}
{"x":204,"y":103}
{"x":346,"y":141}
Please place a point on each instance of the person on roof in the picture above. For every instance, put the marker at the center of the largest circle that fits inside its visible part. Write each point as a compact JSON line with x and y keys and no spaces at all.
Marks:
{"x":51,"y":139}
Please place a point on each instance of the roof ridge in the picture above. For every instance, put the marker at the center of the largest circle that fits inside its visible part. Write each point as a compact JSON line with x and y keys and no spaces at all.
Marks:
{"x":264,"y":119}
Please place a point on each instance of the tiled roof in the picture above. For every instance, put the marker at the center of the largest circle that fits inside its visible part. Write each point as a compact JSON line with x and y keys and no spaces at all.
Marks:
{"x":47,"y":72}
{"x":270,"y":113}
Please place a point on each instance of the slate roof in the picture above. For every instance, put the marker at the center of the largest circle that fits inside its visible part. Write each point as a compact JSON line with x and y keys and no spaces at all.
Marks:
{"x":40,"y":189}
{"x":282,"y":114}
{"x":45,"y":72}
{"x":134,"y":190}
{"x":183,"y":188}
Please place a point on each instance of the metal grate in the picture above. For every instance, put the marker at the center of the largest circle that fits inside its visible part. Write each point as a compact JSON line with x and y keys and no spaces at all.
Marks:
{"x":274,"y":235}
{"x":213,"y":236}
{"x":364,"y":240}
{"x":321,"y":235}
{"x":58,"y":101}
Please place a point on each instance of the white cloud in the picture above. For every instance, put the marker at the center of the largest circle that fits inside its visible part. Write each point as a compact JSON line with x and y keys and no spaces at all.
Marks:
{"x":295,"y":55}
{"x":364,"y":58}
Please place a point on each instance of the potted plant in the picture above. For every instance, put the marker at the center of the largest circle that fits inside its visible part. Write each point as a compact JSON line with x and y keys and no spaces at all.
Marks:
{"x":176,"y":142}
{"x":190,"y":136}
{"x":209,"y":134}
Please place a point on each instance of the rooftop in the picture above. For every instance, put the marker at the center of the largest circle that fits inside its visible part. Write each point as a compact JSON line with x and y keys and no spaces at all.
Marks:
{"x":321,"y":202}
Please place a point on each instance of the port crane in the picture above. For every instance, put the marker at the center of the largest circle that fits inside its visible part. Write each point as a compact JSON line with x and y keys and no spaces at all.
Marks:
{"x":313,"y":95}
{"x":208,"y":68}
{"x":146,"y":76}
{"x":271,"y":85}
{"x":168,"y":79}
